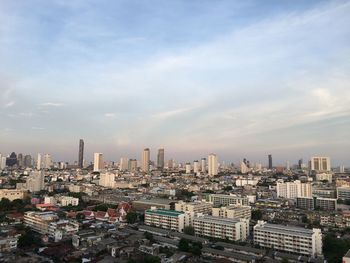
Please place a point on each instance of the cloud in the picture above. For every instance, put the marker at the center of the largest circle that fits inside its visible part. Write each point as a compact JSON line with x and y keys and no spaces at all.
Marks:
{"x":110,"y":115}
{"x":38,"y":128}
{"x":9,"y":104}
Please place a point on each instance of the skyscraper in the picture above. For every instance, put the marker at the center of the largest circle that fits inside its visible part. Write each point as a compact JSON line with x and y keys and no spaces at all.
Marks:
{"x":81,"y":153}
{"x":320,"y":164}
{"x":124,"y":164}
{"x":160,"y":158}
{"x":212,"y":164}
{"x":145,"y":160}
{"x":270,"y":161}
{"x":98,"y":162}
{"x":20,"y":160}
{"x":195,"y":166}
{"x":27,"y":161}
{"x":203,"y":165}
{"x":38,"y":162}
{"x":47,"y":161}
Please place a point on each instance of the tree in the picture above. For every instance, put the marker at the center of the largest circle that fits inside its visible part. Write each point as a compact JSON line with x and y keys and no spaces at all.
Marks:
{"x":189,"y":230}
{"x":284,"y":260}
{"x":152,"y":259}
{"x":184,"y":245}
{"x":149,"y":236}
{"x":5,"y":204}
{"x":131,"y":217}
{"x":28,"y":238}
{"x":80,"y":216}
{"x":256,"y":214}
{"x":335,"y":248}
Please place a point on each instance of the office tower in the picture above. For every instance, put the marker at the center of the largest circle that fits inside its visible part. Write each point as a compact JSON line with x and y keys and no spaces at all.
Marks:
{"x":321,"y":164}
{"x":160,"y":159}
{"x":188,"y":168}
{"x":270,"y":161}
{"x":342,"y":169}
{"x":132,"y":165}
{"x":47,"y":163}
{"x":20,"y":160}
{"x":244,"y":168}
{"x":145,"y":160}
{"x":11,"y":160}
{"x":35,"y":181}
{"x":300,"y":163}
{"x":2,"y":162}
{"x":203,"y":165}
{"x":38,"y":162}
{"x":27,"y":161}
{"x":196,"y":167}
{"x":81,"y":153}
{"x":212,"y":164}
{"x":124,"y":164}
{"x":294,"y":189}
{"x":98,"y":162}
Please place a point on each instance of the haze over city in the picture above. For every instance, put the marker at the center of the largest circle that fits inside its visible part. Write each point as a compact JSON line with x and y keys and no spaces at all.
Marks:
{"x":238,"y":78}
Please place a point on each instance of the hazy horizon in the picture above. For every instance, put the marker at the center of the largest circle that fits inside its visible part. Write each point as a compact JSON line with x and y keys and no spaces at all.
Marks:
{"x":242,"y":79}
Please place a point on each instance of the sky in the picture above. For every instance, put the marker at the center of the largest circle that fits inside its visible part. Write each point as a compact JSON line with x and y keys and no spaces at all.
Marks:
{"x":242,"y":79}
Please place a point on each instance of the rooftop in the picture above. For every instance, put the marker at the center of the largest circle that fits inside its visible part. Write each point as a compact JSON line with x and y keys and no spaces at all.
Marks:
{"x":165,"y":212}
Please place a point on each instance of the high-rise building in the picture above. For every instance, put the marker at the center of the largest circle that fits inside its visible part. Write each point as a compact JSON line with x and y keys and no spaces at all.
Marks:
{"x":160,"y":158}
{"x":27,"y":161}
{"x":270,"y":161}
{"x":107,"y":180}
{"x":212,"y":164}
{"x":294,"y":189}
{"x":124,"y":164}
{"x":35,"y":181}
{"x":81,"y":153}
{"x":320,"y":164}
{"x":188,"y":168}
{"x":47,"y":162}
{"x":11,"y":160}
{"x":20,"y":160}
{"x":195,"y":167}
{"x":300,"y":163}
{"x":132,"y":165}
{"x":38,"y":162}
{"x":98,"y":162}
{"x":2,"y":162}
{"x":171,"y":164}
{"x":204,"y":165}
{"x":145,"y":160}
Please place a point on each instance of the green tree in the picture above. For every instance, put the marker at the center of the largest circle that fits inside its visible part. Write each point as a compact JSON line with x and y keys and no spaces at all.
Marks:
{"x":257,"y":214}
{"x":152,"y":259}
{"x":189,"y":230}
{"x":184,"y":245}
{"x":5,"y":204}
{"x":335,"y":248}
{"x":28,"y":238}
{"x":149,"y":236}
{"x":131,"y":217}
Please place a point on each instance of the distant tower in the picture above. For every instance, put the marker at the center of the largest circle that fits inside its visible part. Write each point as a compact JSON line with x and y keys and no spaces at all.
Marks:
{"x":203,"y":165}
{"x":212,"y":164}
{"x":124,"y":164}
{"x":160,"y":158}
{"x":300,"y":163}
{"x":188,"y":168}
{"x":47,"y":161}
{"x":81,"y":154}
{"x":195,"y":167}
{"x":98,"y":162}
{"x":38,"y":162}
{"x":270,"y":161}
{"x":321,"y":164}
{"x":20,"y":160}
{"x":145,"y":160}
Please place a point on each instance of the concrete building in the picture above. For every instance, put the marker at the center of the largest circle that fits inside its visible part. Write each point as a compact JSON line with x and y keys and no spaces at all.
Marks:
{"x":35,"y":181}
{"x":98,"y":162}
{"x":324,"y":177}
{"x":294,"y":189}
{"x":289,"y":239}
{"x":81,"y":154}
{"x":62,"y":229}
{"x":193,"y":208}
{"x":346,"y":258}
{"x":223,"y":228}
{"x":160,"y":159}
{"x":13,"y":194}
{"x":39,"y":162}
{"x":225,"y":200}
{"x":39,"y":221}
{"x":47,"y":162}
{"x":107,"y":180}
{"x":343,"y":193}
{"x":188,"y":168}
{"x":233,"y":211}
{"x":203,"y":165}
{"x":167,"y":219}
{"x":212,"y":164}
{"x":306,"y":203}
{"x":124,"y":164}
{"x":132,"y":165}
{"x":320,"y":164}
{"x":145,"y":160}
{"x":8,"y":242}
{"x":69,"y":200}
{"x":326,"y":204}
{"x":195,"y":167}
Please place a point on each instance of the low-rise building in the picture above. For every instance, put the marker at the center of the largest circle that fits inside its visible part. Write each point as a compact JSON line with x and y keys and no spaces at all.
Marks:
{"x":232,"y":211}
{"x":288,"y":238}
{"x":343,"y":193}
{"x":222,"y":228}
{"x":225,"y":200}
{"x":69,"y":200}
{"x":39,"y":221}
{"x":13,"y":194}
{"x":168,"y":219}
{"x":63,"y":228}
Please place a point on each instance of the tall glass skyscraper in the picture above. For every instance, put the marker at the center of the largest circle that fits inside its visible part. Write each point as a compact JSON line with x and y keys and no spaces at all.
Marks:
{"x":81,"y":153}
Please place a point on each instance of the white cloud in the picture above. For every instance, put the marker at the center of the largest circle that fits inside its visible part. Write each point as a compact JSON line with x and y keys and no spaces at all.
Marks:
{"x":51,"y":104}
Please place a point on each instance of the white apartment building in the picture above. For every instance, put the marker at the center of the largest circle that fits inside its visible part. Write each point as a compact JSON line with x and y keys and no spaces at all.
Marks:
{"x":233,"y":212}
{"x":192,"y":209}
{"x":212,"y":164}
{"x":98,"y":162}
{"x":12,"y":194}
{"x":324,"y":177}
{"x":35,"y":181}
{"x":223,"y":228}
{"x":69,"y":200}
{"x":39,"y":221}
{"x":225,"y":200}
{"x":63,"y":228}
{"x":294,"y":189}
{"x":167,"y":219}
{"x":320,"y":163}
{"x":107,"y":180}
{"x":289,"y":239}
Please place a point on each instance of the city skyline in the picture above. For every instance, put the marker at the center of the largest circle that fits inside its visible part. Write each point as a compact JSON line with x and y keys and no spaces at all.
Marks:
{"x":240,"y":79}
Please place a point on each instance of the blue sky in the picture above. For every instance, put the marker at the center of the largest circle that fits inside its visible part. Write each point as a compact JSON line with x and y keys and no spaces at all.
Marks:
{"x":239,"y":78}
